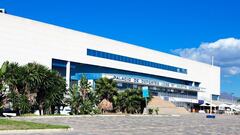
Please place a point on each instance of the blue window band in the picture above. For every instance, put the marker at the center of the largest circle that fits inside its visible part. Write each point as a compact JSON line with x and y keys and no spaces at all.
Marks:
{"x":121,"y":58}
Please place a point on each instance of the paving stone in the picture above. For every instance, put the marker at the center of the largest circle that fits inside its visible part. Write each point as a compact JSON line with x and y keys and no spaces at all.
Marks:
{"x":194,"y":124}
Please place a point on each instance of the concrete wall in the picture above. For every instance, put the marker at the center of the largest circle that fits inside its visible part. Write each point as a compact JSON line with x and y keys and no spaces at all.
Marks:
{"x":23,"y":40}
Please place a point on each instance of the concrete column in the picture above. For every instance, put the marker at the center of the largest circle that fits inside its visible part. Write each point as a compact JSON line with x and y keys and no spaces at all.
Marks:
{"x":68,"y":71}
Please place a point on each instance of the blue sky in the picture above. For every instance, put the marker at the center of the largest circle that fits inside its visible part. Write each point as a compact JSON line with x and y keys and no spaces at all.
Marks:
{"x":172,"y":26}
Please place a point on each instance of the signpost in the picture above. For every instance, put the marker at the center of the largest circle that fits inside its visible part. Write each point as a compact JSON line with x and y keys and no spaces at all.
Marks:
{"x":145,"y":93}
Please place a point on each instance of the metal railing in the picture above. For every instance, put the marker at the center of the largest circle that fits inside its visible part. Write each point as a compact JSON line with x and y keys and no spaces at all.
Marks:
{"x":177,"y":95}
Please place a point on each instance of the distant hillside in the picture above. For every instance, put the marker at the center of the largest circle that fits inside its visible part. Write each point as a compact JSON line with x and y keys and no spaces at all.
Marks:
{"x":228,"y":96}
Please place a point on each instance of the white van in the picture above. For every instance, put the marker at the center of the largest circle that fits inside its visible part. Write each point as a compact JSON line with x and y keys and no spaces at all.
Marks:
{"x":65,"y":110}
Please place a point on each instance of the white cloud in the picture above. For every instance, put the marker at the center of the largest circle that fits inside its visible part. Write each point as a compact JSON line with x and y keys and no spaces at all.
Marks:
{"x":226,"y":54}
{"x":232,"y":70}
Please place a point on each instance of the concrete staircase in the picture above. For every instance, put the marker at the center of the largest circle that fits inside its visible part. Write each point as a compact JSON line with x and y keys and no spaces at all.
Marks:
{"x":166,"y":107}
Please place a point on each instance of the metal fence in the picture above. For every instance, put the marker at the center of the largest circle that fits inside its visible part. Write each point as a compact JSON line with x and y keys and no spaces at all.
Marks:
{"x":177,"y":95}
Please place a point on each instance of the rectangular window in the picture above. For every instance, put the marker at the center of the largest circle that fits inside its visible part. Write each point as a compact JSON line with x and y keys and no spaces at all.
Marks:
{"x":116,"y":57}
{"x":215,"y":97}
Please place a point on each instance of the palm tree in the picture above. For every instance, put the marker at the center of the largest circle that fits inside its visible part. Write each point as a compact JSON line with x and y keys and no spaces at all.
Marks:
{"x":13,"y":78}
{"x":35,"y":83}
{"x":32,"y":84}
{"x":134,"y":100}
{"x":19,"y":102}
{"x":2,"y":95}
{"x":84,"y":87}
{"x":82,"y":98}
{"x":130,"y":101}
{"x":106,"y":89}
{"x":55,"y":92}
{"x":43,"y":87}
{"x":120,"y":102}
{"x":23,"y":80}
{"x":2,"y":72}
{"x":50,"y":91}
{"x":75,"y":99}
{"x":34,"y":74}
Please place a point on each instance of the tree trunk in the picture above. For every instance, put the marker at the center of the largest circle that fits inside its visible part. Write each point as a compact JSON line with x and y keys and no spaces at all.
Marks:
{"x":58,"y":109}
{"x":41,"y":109}
{"x":52,"y":109}
{"x":18,"y":112}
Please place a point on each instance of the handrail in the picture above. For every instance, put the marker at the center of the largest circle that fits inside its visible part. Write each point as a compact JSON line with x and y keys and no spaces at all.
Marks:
{"x":177,"y":95}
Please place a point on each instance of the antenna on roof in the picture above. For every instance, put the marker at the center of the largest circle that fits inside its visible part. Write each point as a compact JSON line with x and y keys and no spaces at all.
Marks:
{"x":212,"y":60}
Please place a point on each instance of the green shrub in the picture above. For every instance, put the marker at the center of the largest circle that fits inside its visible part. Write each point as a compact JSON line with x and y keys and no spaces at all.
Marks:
{"x":156,"y":110}
{"x":150,"y":111}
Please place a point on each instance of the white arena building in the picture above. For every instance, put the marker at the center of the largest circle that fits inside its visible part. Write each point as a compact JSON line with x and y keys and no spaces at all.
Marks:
{"x":74,"y":53}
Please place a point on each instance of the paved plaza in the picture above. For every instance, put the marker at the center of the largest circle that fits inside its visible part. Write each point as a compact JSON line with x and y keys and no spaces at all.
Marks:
{"x":192,"y":124}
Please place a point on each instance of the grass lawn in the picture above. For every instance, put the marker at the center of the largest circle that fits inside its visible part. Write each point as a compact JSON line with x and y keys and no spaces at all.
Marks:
{"x":31,"y":114}
{"x":7,"y":124}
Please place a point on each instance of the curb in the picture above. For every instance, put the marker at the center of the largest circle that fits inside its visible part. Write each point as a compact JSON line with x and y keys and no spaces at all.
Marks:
{"x":83,"y":116}
{"x":160,"y":115}
{"x":69,"y":116}
{"x":35,"y":130}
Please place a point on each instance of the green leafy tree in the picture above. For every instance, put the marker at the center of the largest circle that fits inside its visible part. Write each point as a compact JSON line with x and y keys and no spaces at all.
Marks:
{"x":37,"y":82}
{"x":55,"y":92}
{"x":75,"y":99}
{"x":20,"y":102}
{"x":86,"y":107}
{"x":119,"y":102}
{"x":1,"y":104}
{"x":130,"y":101}
{"x":2,"y":88}
{"x":88,"y":104}
{"x":1,"y":93}
{"x":13,"y":78}
{"x":33,"y":84}
{"x":24,"y":104}
{"x":135,"y":101}
{"x":83,"y":100}
{"x":106,"y":89}
{"x":34,"y":75}
{"x":50,"y":91}
{"x":84,"y":87}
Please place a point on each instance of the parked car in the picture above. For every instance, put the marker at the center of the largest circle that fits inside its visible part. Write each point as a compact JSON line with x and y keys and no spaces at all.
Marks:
{"x":201,"y":111}
{"x":9,"y":113}
{"x":65,"y":110}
